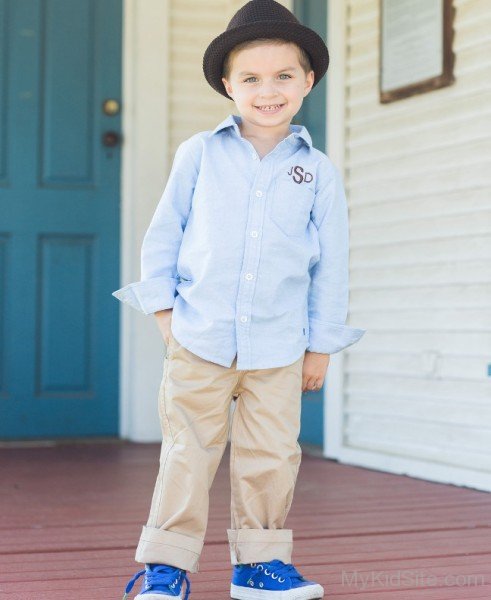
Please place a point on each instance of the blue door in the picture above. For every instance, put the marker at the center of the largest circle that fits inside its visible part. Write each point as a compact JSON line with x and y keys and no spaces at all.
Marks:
{"x":59,"y":217}
{"x":313,"y":13}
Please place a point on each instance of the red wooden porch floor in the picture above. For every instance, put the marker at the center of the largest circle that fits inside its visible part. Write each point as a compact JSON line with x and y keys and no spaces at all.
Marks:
{"x":71,"y":516}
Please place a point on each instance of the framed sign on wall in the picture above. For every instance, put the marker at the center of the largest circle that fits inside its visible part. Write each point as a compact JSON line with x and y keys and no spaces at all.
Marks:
{"x":416,"y":54}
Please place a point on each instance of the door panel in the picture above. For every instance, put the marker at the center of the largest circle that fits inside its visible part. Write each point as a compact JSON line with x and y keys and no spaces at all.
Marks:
{"x":59,"y":218}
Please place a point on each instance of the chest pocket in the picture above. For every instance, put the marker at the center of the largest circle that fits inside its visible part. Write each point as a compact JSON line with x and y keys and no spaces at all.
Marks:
{"x":291,"y":205}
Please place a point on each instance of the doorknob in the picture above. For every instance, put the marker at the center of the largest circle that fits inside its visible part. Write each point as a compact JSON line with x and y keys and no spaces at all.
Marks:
{"x":110,"y":107}
{"x":111,"y":138}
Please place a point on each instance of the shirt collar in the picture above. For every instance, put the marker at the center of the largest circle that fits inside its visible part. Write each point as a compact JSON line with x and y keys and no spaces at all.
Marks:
{"x":298,"y":131}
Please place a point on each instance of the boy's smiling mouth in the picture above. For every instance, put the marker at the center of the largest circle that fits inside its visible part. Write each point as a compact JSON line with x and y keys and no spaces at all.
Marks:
{"x":269,"y":108}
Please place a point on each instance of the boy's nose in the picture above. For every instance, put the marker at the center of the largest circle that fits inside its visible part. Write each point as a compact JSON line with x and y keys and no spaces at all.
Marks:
{"x":268,"y":92}
{"x":268,"y":88}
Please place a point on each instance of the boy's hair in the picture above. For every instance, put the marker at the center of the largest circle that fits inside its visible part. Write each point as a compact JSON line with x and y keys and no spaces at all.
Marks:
{"x":303,"y":57}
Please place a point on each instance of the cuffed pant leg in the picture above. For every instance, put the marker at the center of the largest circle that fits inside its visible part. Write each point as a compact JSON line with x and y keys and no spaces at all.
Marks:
{"x":168,"y":547}
{"x":265,"y":458}
{"x":194,"y":403}
{"x":260,"y":545}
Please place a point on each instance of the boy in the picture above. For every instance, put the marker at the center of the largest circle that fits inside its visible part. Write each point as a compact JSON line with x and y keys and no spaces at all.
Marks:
{"x":245,"y":266}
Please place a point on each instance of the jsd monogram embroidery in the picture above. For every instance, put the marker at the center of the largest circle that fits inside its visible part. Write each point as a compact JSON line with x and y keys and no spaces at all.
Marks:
{"x":299,"y":175}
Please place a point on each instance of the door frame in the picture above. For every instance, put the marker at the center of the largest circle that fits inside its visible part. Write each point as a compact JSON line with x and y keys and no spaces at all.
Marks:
{"x":143,"y":173}
{"x":334,"y":393}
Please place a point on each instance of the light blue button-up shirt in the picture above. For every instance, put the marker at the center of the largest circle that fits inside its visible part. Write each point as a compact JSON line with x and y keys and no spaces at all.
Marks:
{"x":251,"y":254}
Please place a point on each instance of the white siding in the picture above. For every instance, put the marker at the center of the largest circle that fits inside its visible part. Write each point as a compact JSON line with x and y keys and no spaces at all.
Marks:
{"x":418,"y":178}
{"x":194,"y":105}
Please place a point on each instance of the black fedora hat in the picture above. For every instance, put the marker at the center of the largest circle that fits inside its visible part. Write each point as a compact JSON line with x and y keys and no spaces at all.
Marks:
{"x":263,"y":19}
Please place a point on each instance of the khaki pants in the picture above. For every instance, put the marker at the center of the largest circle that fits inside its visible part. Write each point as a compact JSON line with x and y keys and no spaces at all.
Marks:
{"x":194,"y":402}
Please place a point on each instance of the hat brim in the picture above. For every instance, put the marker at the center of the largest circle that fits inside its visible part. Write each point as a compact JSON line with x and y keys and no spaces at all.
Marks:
{"x":301,"y":35}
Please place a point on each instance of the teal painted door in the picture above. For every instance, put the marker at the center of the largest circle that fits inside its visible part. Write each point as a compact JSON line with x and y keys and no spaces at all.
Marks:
{"x":59,"y":217}
{"x":313,"y":13}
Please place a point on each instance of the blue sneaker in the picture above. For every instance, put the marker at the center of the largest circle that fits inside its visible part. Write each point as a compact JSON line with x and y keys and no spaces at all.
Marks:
{"x":160,"y":581}
{"x":273,"y":580}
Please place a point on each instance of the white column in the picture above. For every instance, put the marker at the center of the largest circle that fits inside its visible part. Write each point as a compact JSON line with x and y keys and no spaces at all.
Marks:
{"x":336,"y":42}
{"x":144,"y":173}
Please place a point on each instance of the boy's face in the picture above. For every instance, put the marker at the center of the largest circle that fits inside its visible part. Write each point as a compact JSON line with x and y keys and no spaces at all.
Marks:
{"x":271,"y":76}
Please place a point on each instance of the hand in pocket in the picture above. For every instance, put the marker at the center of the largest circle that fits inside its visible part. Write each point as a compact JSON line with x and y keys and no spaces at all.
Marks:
{"x":164,"y":321}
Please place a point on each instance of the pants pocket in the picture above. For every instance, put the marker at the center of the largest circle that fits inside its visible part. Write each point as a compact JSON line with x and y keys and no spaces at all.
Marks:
{"x":172,"y":346}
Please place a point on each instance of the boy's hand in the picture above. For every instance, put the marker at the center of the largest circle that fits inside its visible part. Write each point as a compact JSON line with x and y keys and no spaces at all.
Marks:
{"x":314,"y":370}
{"x":164,"y":319}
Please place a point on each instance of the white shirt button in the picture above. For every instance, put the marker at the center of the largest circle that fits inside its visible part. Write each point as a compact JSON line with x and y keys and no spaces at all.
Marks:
{"x":259,"y":193}
{"x":253,"y":233}
{"x":243,"y":318}
{"x":249,"y":276}
{"x":254,"y":156}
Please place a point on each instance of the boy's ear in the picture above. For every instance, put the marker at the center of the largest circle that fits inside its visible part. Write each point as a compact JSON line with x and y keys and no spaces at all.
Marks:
{"x":228,"y":88}
{"x":309,"y":82}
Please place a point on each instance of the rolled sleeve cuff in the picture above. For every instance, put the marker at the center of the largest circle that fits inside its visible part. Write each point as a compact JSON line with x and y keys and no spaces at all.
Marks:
{"x":149,"y":296}
{"x":329,"y":338}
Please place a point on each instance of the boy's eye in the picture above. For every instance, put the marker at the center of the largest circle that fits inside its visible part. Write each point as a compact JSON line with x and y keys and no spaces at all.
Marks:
{"x":281,"y":75}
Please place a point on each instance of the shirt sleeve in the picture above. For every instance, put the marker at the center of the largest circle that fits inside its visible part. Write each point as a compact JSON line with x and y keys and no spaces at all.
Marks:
{"x":329,"y":285}
{"x":156,"y":289}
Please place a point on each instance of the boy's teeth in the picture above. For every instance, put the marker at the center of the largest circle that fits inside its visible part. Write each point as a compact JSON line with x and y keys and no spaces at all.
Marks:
{"x":275,"y":106}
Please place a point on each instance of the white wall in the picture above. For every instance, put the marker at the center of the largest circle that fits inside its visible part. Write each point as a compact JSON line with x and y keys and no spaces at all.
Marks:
{"x":417,"y":396}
